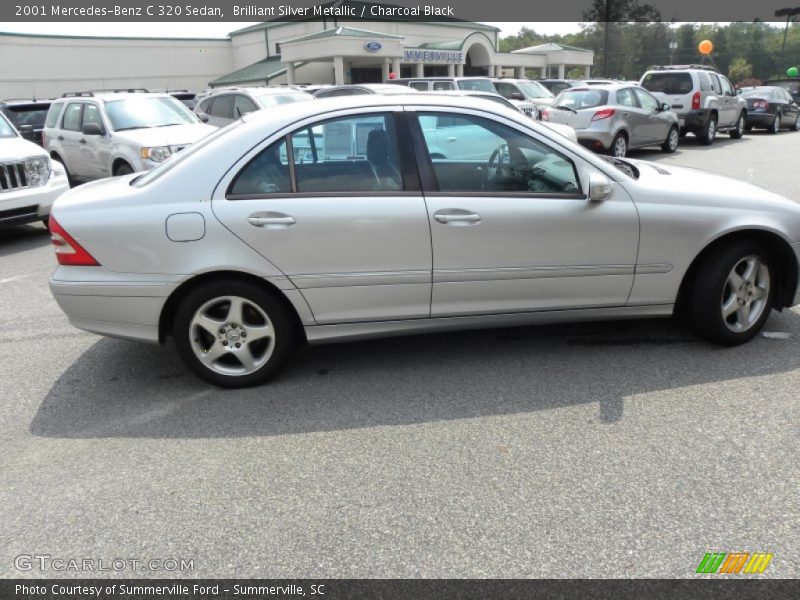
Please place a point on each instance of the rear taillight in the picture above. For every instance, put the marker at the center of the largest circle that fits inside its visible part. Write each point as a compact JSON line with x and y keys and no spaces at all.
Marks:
{"x":68,"y":251}
{"x":760,"y":104}
{"x":603,"y":114}
{"x":545,"y":115}
{"x":696,"y":101}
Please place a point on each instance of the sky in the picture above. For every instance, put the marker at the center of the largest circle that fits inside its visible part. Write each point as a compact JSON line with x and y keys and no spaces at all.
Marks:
{"x":213,"y":30}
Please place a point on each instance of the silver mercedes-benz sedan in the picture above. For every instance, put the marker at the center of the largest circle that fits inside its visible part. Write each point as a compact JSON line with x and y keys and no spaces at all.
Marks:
{"x":353,"y":217}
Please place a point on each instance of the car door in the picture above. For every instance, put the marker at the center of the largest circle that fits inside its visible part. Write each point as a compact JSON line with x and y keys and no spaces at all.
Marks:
{"x":632,"y":116}
{"x":69,"y":137}
{"x":525,"y":238}
{"x":791,"y":107}
{"x":94,"y":149}
{"x":656,"y":122}
{"x":730,"y":103}
{"x":344,"y":220}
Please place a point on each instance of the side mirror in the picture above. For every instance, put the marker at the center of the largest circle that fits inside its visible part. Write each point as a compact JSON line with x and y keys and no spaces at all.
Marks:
{"x":26,"y":128}
{"x":92,"y":129}
{"x":663,"y":106}
{"x":738,"y":92}
{"x":203,"y":117}
{"x":517,"y":96}
{"x":599,"y":187}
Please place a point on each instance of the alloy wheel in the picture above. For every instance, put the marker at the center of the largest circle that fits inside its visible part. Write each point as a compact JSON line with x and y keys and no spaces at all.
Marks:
{"x":673,"y":139}
{"x":232,"y":335}
{"x":776,"y":124}
{"x":746,"y":293}
{"x":620,"y":147}
{"x":712,"y":130}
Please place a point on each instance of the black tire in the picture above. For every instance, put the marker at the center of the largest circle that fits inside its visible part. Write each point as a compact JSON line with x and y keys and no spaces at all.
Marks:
{"x":123,"y":169}
{"x":710,"y":287}
{"x":738,"y":131}
{"x":619,"y":146}
{"x":709,"y":132}
{"x":70,"y":180}
{"x":671,"y":143}
{"x":186,"y":337}
{"x":776,"y":124}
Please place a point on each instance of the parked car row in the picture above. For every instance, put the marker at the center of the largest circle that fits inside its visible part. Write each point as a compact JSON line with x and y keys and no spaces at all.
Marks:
{"x":373,"y":215}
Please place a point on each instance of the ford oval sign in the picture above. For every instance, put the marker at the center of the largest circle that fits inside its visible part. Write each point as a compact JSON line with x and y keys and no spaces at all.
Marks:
{"x":373,"y":46}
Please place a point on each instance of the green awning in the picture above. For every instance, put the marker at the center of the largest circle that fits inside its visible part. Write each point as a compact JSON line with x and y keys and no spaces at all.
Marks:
{"x":259,"y":72}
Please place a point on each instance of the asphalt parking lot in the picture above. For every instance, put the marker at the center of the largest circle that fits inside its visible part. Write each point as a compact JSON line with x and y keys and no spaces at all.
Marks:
{"x":593,"y":450}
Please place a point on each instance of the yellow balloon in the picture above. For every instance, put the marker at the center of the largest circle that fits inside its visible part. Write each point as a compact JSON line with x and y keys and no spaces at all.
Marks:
{"x":705,"y":47}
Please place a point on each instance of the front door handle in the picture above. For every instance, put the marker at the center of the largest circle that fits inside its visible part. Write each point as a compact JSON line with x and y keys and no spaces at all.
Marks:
{"x":82,"y":141}
{"x":457,"y":218}
{"x":270,"y":219}
{"x":60,"y":138}
{"x":452,"y":138}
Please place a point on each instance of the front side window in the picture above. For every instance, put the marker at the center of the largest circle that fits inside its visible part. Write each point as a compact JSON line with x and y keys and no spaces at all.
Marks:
{"x":439,"y":86}
{"x":72,"y":117}
{"x":646,"y":100}
{"x":476,"y":85}
{"x":348,"y":154}
{"x":91,"y":114}
{"x":534,"y":89}
{"x":243,"y":105}
{"x":726,"y":86}
{"x":145,"y":112}
{"x":507,"y":90}
{"x":481,"y":155}
{"x":419,"y":85}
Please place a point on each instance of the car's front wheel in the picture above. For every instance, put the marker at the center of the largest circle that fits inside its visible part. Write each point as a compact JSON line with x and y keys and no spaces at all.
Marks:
{"x":123,"y":169}
{"x":233,"y":333}
{"x":738,"y":130}
{"x":671,"y":143}
{"x":732,"y":293}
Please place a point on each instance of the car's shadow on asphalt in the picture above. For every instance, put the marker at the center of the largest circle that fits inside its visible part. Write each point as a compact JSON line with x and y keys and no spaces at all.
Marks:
{"x":125,"y":389}
{"x":22,"y":238}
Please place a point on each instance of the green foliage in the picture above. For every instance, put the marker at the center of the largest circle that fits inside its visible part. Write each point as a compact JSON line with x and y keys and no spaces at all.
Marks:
{"x":643,"y":41}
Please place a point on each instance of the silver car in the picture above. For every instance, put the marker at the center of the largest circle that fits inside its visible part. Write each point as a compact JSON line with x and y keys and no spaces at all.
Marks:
{"x":239,"y":250}
{"x":615,"y":118}
{"x":224,"y":105}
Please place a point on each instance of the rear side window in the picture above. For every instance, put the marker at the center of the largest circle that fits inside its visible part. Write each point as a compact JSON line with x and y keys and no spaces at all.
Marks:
{"x":668,"y":83}
{"x":222,"y":107}
{"x":53,"y":114}
{"x":716,"y":86}
{"x":419,"y":85}
{"x":625,"y":97}
{"x":267,"y":173}
{"x":705,"y":82}
{"x":72,"y":117}
{"x":242,"y":106}
{"x":442,"y":85}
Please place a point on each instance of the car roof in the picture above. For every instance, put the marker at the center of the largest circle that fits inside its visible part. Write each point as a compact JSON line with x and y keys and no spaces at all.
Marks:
{"x":107,"y":96}
{"x":25,"y":101}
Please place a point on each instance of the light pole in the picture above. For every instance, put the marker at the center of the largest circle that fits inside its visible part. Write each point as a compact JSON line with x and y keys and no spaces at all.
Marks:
{"x":788,"y":13}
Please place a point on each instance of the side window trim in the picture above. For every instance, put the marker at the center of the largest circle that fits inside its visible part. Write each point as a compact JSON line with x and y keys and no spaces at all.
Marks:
{"x":409,"y":174}
{"x":429,"y":181}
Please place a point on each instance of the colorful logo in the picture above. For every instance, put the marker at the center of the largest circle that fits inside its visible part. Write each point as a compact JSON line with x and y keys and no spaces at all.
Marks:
{"x":373,"y":46}
{"x":734,"y":562}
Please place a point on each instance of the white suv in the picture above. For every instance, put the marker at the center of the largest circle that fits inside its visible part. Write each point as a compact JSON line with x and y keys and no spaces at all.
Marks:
{"x":96,"y":135}
{"x":29,"y":181}
{"x":525,"y":92}
{"x":225,"y":105}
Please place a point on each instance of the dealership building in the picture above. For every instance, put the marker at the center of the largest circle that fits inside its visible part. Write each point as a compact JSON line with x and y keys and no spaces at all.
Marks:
{"x":330,"y":50}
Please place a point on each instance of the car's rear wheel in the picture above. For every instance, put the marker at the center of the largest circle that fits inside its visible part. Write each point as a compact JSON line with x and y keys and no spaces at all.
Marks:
{"x":731,"y":293}
{"x":776,"y":123}
{"x":233,"y":333}
{"x":619,"y":146}
{"x":738,"y":130}
{"x":671,"y":143}
{"x":709,"y":132}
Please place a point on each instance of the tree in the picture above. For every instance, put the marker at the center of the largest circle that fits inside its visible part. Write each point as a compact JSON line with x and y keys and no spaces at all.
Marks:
{"x":740,"y":70}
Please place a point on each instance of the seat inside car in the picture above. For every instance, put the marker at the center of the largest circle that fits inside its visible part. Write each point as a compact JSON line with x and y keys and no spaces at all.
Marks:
{"x":386,"y":173}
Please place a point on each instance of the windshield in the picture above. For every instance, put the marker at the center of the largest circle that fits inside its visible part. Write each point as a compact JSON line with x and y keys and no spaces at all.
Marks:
{"x":6,"y":130}
{"x":534,"y":89}
{"x":144,"y":112}
{"x":268,"y":100}
{"x":176,"y":159}
{"x":481,"y":85}
{"x":578,"y":99}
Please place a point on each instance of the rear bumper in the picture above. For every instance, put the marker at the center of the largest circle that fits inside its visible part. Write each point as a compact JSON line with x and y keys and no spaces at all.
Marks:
{"x":32,"y":204}
{"x":99,"y":301}
{"x":594,"y":139}
{"x":763,"y":119}
{"x":694,"y":120}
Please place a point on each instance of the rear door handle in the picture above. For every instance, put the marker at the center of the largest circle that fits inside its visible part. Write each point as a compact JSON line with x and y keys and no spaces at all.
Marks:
{"x":82,"y":141}
{"x":452,"y":138}
{"x":267,"y":219}
{"x":457,"y":218}
{"x":60,"y":138}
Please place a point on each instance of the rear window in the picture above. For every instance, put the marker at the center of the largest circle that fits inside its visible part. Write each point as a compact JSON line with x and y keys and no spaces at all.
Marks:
{"x":759,"y":92}
{"x":668,"y":83}
{"x":577,"y":99}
